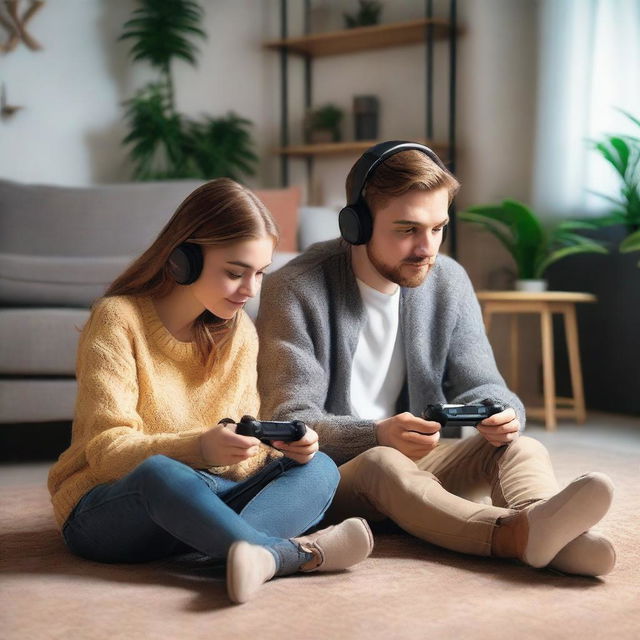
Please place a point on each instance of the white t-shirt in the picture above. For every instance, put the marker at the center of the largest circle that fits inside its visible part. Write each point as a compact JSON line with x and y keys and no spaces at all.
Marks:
{"x":378,"y":369}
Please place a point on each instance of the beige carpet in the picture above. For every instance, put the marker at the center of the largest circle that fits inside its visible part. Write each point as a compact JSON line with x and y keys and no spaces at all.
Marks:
{"x":407,"y":589}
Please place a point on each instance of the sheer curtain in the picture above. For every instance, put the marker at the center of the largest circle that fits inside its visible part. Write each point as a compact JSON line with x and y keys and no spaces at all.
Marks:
{"x":588,"y":65}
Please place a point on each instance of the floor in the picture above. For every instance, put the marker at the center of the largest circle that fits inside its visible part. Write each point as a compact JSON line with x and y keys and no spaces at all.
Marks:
{"x":407,"y":589}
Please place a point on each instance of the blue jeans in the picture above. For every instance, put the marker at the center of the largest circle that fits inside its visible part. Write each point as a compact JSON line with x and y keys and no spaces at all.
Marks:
{"x":164,"y":507}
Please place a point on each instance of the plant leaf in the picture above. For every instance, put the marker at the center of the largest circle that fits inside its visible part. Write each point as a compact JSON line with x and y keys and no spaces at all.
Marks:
{"x":563,"y":253}
{"x":630,"y":243}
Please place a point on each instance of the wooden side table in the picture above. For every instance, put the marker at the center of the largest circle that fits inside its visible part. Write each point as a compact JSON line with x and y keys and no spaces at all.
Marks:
{"x":545,"y":303}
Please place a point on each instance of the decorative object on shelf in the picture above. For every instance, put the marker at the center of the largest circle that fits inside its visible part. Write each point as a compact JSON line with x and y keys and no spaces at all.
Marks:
{"x":533,"y":247}
{"x":323,"y":124}
{"x":16,"y":22}
{"x":6,"y":110}
{"x":365,"y":114}
{"x":367,"y":15}
{"x":166,"y":144}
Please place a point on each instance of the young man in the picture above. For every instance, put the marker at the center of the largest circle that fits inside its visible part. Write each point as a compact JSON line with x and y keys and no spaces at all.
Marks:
{"x":359,"y":335}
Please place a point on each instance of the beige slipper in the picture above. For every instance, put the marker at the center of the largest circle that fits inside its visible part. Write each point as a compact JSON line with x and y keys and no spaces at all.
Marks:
{"x":554,"y":523}
{"x":249,"y":566}
{"x":590,"y":554}
{"x":338,"y":547}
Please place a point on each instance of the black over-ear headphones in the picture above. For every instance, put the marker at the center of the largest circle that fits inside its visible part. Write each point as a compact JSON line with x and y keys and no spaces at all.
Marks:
{"x":185,"y":263}
{"x":355,"y":220}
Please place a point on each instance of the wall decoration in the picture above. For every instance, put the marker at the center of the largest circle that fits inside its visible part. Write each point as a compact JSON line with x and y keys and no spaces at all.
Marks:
{"x":6,"y":109}
{"x":15,"y":22}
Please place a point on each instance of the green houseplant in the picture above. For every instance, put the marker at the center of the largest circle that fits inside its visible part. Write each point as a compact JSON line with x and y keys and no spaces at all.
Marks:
{"x":368,"y":14}
{"x":533,"y":247}
{"x":323,"y":124}
{"x":623,"y":153}
{"x":165,"y":144}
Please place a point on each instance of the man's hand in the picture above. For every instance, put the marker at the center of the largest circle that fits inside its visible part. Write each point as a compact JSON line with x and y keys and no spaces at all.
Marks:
{"x":300,"y":450}
{"x":221,"y":445}
{"x":408,"y":434}
{"x":501,"y":428}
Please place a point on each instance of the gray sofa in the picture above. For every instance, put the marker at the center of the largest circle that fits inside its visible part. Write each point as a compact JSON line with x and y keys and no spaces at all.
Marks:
{"x":60,"y":247}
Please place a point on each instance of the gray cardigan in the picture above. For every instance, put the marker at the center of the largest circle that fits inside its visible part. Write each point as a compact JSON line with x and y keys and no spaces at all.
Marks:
{"x":309,"y":323}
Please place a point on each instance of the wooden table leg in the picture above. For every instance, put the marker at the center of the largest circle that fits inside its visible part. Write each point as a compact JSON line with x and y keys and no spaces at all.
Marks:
{"x":571,"y":332}
{"x":548,"y":375}
{"x":515,"y":355}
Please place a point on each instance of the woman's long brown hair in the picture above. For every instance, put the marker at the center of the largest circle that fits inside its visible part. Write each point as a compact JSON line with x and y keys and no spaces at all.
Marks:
{"x":218,"y":213}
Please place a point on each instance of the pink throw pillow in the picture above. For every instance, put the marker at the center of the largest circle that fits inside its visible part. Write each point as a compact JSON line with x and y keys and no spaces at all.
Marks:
{"x":283,"y":205}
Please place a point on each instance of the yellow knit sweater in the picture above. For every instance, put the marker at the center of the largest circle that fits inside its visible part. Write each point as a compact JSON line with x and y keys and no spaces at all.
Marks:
{"x":142,"y":392}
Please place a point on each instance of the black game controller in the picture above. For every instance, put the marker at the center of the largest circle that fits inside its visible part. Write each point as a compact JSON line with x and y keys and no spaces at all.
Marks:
{"x":269,"y":431}
{"x":461,"y":415}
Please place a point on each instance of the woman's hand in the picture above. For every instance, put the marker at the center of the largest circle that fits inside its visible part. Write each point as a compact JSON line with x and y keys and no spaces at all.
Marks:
{"x":222,"y":446}
{"x":301,"y":450}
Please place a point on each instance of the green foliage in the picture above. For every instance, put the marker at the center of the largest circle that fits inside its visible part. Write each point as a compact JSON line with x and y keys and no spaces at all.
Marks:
{"x":163,"y":143}
{"x":368,"y":14}
{"x":631,"y":243}
{"x":622,"y":152}
{"x":325,"y":118}
{"x":161,"y":30}
{"x":222,"y":147}
{"x":156,"y":135}
{"x":533,"y":247}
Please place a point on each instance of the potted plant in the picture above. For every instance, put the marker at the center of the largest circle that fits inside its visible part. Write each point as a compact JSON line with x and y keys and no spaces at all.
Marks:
{"x":622,"y":152}
{"x":533,"y":247}
{"x":165,"y":144}
{"x":609,"y":345}
{"x":323,"y":124}
{"x":367,"y":15}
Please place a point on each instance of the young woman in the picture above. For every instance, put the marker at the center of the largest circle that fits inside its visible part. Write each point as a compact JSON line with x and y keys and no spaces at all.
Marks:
{"x":154,"y":469}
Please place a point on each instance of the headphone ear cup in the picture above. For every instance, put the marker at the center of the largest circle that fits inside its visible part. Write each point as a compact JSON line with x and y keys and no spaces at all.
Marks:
{"x":356,"y":224}
{"x":185,"y":263}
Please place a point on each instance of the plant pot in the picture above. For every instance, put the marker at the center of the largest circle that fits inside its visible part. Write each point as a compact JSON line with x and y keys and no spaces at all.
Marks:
{"x":323,"y":136}
{"x":532,"y":286}
{"x":608,"y":330}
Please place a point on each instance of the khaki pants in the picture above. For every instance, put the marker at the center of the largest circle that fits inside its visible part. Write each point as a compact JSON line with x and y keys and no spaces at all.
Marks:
{"x":431,"y":498}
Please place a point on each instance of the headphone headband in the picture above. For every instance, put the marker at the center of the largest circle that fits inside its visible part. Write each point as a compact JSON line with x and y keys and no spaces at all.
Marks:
{"x":373,"y":157}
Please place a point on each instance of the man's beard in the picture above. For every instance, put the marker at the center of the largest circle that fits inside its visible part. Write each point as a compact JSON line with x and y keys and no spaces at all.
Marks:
{"x":395,"y":273}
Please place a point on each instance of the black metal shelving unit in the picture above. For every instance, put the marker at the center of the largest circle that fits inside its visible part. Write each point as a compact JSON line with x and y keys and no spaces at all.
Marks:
{"x":429,"y":34}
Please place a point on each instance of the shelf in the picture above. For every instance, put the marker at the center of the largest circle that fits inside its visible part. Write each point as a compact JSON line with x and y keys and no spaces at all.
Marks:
{"x":339,"y":148}
{"x":362,"y":38}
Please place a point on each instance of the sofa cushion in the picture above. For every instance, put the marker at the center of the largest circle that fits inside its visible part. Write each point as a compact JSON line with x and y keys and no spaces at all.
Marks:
{"x":283,"y":205}
{"x":100,"y":220}
{"x":40,"y":341}
{"x":36,"y":400}
{"x":57,"y":280}
{"x":317,"y":224}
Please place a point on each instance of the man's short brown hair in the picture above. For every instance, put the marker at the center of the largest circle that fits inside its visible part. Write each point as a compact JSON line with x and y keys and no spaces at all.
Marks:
{"x":402,"y":172}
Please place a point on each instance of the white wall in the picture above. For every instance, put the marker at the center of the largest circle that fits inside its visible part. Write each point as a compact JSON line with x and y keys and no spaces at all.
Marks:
{"x":71,"y":127}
